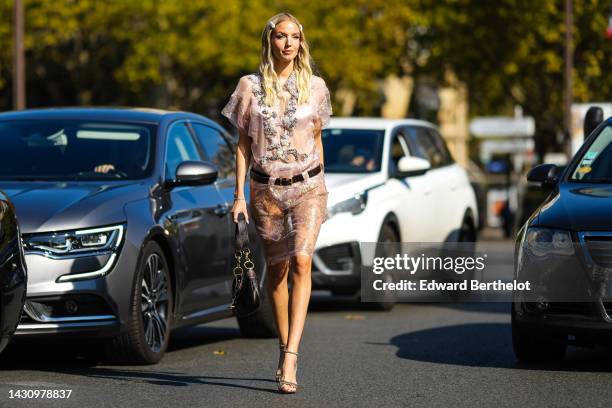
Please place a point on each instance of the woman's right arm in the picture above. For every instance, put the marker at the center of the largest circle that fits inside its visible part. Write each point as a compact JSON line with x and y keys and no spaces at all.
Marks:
{"x":243,"y":160}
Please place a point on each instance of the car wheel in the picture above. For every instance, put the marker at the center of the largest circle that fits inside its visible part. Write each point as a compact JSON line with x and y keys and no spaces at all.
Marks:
{"x":148,"y":333}
{"x":387,"y":235}
{"x":467,"y":233}
{"x":261,"y":323}
{"x":533,"y":346}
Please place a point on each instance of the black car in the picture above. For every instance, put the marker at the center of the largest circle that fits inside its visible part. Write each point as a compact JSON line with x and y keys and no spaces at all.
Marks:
{"x":125,"y":218}
{"x":13,"y":272}
{"x":565,"y":251}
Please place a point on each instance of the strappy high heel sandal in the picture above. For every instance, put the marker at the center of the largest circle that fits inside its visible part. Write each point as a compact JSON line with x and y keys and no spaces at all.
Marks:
{"x":282,"y":382}
{"x":281,"y":359}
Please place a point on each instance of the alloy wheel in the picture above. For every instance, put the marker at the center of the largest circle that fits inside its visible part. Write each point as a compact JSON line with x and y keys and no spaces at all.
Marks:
{"x":154,"y":302}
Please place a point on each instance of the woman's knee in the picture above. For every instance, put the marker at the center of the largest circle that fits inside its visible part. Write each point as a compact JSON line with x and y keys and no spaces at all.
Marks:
{"x":303,"y":264}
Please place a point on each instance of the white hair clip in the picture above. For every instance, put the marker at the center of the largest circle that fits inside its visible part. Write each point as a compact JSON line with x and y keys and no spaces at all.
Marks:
{"x":272,"y":25}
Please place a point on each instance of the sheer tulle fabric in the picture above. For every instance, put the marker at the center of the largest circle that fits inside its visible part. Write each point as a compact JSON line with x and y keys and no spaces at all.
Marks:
{"x":288,"y":218}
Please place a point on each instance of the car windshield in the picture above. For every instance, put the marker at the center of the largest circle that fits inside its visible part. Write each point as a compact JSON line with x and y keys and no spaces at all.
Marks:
{"x":75,"y":150}
{"x":595,"y":165}
{"x":352,"y":150}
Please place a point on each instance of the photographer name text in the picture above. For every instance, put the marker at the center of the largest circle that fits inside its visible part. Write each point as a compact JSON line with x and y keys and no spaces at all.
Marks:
{"x":433,"y":285}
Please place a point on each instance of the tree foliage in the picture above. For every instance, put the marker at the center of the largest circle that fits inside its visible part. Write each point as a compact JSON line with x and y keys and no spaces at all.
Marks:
{"x":511,"y":52}
{"x":188,"y":54}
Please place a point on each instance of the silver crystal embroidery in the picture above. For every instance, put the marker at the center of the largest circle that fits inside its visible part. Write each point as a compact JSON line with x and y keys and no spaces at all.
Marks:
{"x":281,"y":149}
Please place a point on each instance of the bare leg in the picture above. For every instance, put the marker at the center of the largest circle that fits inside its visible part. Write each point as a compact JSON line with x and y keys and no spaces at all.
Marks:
{"x":300,"y":296}
{"x":279,"y":297}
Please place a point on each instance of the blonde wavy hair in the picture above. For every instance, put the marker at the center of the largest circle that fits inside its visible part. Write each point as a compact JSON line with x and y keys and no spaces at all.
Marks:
{"x":301,"y":63}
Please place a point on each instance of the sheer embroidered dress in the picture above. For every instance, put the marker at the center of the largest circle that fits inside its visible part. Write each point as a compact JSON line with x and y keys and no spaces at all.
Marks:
{"x":287,"y":218}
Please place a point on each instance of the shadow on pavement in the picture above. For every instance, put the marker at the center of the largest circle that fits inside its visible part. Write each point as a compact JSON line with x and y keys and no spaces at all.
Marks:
{"x":83,"y":359}
{"x":175,"y":379}
{"x":164,"y":378}
{"x":50,"y":355}
{"x":59,"y":354}
{"x":488,"y":345}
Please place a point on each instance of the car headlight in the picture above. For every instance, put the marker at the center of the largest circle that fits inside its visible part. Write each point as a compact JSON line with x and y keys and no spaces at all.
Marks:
{"x":546,"y":241}
{"x":68,"y":244}
{"x":77,"y":243}
{"x":354,"y":205}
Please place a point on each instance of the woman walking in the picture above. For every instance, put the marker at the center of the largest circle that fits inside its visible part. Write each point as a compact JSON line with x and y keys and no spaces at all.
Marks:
{"x":279,"y":112}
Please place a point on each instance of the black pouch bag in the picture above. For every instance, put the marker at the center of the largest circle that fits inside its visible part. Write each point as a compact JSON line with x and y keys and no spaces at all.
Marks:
{"x":245,"y":287}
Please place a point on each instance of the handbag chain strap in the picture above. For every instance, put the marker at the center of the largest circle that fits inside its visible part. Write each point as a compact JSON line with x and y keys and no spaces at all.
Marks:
{"x":242,"y":260}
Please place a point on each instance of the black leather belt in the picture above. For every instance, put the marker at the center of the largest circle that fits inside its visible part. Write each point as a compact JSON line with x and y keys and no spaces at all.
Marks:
{"x":282,"y":181}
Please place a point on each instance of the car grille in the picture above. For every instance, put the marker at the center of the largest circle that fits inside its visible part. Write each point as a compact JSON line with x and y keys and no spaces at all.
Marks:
{"x":599,"y":248}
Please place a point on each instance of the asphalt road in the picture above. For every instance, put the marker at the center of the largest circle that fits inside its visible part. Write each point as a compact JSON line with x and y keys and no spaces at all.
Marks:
{"x":415,"y":355}
{"x":423,"y":355}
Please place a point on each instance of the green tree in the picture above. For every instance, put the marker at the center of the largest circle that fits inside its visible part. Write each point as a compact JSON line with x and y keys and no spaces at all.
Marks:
{"x":189,"y":54}
{"x":511,"y":52}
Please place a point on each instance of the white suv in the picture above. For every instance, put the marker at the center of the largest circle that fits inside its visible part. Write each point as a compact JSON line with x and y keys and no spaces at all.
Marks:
{"x":388,"y":180}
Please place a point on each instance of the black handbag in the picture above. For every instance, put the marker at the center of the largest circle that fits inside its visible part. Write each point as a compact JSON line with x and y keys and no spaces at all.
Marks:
{"x":245,"y":287}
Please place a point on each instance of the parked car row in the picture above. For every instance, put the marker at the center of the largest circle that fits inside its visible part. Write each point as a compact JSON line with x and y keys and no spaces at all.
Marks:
{"x":125,"y":226}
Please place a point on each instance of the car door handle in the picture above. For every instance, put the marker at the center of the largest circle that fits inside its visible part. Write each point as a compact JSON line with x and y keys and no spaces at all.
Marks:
{"x":221,"y":210}
{"x":453,"y":186}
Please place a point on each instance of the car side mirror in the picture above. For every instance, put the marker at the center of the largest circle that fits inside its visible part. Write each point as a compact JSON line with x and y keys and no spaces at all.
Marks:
{"x":592,"y":119}
{"x":194,"y":173}
{"x":546,"y":175}
{"x":412,"y":166}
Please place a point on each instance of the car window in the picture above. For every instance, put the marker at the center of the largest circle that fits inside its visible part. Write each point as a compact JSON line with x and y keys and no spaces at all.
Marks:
{"x":420,"y":144}
{"x":216,"y":150}
{"x":441,"y":147}
{"x":348,"y":150}
{"x":596,"y":162}
{"x":180,"y":147}
{"x":423,"y":145}
{"x":72,"y":149}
